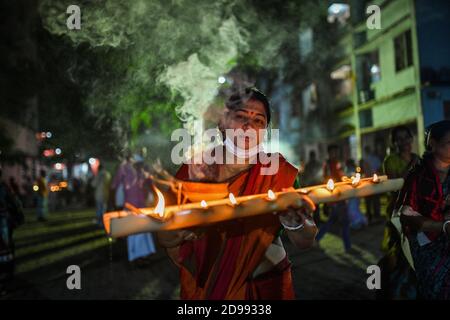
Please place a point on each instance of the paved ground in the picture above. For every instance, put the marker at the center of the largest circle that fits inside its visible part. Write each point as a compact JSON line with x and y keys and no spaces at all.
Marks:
{"x":45,"y":250}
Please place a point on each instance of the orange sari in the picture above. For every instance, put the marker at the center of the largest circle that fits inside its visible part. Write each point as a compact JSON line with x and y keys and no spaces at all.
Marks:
{"x":219,"y":265}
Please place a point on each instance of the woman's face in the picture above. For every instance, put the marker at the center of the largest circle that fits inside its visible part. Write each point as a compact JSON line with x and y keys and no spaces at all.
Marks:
{"x":441,"y":149}
{"x":251,"y":119}
{"x":403,"y":141}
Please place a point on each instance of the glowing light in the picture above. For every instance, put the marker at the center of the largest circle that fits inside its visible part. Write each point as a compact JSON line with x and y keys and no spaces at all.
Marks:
{"x":48,"y":153}
{"x":221,"y":80}
{"x":63,"y":184}
{"x":375,"y":178}
{"x":58,"y":166}
{"x":159,"y":209}
{"x":91,"y":161}
{"x":35,"y":188}
{"x":203,"y":204}
{"x":271,"y":195}
{"x":330,"y":185}
{"x":232,"y":199}
{"x":48,"y":135}
{"x":84,"y":168}
{"x":374,"y":69}
{"x":356,"y":179}
{"x":58,"y":151}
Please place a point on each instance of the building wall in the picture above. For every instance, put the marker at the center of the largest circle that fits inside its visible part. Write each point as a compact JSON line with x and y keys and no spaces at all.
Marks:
{"x":433,"y":33}
{"x":433,"y":99}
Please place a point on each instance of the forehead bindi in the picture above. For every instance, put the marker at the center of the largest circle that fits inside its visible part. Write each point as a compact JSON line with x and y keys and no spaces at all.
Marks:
{"x":254,"y":107}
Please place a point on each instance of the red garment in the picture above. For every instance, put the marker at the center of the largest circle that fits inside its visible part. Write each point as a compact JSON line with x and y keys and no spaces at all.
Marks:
{"x":333,"y":170}
{"x":422,"y":191}
{"x":219,"y":265}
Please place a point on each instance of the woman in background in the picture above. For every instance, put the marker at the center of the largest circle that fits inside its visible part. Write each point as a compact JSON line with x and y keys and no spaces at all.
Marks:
{"x":398,"y":280}
{"x":424,"y":206}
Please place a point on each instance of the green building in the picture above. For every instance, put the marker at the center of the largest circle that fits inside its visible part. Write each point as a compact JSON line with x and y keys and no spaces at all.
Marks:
{"x":396,"y":73}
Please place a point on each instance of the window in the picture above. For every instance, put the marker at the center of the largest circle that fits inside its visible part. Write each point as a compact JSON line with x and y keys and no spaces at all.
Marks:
{"x":365,"y":118}
{"x":403,"y":51}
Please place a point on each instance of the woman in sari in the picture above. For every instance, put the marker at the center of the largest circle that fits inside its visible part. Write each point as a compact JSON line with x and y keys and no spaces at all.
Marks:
{"x":241,"y":259}
{"x":424,"y":208}
{"x":398,"y":279}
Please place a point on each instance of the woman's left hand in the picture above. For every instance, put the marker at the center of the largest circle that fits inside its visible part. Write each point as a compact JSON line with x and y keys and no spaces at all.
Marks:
{"x":294,"y":217}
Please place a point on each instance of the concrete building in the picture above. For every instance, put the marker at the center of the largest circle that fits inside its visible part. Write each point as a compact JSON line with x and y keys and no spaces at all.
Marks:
{"x":385,"y":77}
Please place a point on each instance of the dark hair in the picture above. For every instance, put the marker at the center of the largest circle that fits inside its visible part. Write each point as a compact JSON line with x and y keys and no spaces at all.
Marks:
{"x":396,"y":131}
{"x":333,"y":147}
{"x":238,"y":100}
{"x":436,"y":132}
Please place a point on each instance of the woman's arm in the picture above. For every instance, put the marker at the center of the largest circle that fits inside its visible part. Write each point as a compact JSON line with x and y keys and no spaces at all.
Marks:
{"x":421,"y":223}
{"x":304,"y":238}
{"x":299,"y":219}
{"x":418,"y":223}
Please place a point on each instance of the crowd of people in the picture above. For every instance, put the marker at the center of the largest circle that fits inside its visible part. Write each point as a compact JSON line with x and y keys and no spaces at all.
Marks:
{"x":416,"y":259}
{"x":416,"y":248}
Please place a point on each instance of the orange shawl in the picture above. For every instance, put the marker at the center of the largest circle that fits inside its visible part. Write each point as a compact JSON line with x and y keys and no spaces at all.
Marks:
{"x":219,"y":265}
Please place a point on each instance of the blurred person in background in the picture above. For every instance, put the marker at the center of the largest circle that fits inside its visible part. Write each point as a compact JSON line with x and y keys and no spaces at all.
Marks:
{"x":398,"y":279}
{"x":11,"y":216}
{"x":15,"y":188}
{"x":370,"y":164}
{"x":42,"y":196}
{"x":132,"y":177}
{"x":357,"y":219}
{"x":313,"y":171}
{"x":333,"y":169}
{"x":101,"y":184}
{"x":312,"y":175}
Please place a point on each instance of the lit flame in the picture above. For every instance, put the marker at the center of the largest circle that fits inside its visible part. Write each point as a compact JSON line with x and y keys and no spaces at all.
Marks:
{"x":330,"y":185}
{"x":203,"y":204}
{"x":375,"y":178}
{"x":232,"y":199}
{"x":356,"y":179}
{"x":159,"y":209}
{"x":271,"y":195}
